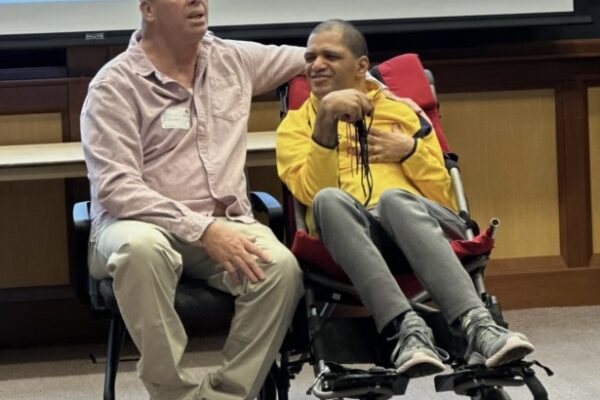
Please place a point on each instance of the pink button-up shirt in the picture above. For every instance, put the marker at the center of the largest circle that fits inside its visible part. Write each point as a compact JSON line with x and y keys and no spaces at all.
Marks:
{"x":161,"y":153}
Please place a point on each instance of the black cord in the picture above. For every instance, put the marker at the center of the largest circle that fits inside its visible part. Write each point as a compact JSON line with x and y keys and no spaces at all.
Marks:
{"x":361,"y":145}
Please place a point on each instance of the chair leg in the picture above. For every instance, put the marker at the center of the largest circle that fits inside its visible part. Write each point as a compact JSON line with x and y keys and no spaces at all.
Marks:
{"x":115,"y":342}
{"x":283,"y":377}
{"x":275,"y":387}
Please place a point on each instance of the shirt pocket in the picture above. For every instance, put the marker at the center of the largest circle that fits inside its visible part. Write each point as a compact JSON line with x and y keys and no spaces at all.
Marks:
{"x":227,"y":99}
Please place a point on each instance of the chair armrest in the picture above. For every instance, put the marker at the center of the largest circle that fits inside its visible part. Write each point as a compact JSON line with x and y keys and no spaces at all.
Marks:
{"x":81,"y":233}
{"x":264,"y":202}
{"x":81,"y":218}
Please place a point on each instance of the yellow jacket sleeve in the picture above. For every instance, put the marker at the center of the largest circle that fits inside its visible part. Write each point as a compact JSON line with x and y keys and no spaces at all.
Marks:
{"x":426,"y":169}
{"x":303,"y":165}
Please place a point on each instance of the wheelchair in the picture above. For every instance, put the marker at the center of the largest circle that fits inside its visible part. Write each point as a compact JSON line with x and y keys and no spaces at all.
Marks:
{"x":330,"y":343}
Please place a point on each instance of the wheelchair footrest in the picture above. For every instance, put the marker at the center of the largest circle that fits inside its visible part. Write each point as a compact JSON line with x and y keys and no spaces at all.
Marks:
{"x":376,"y":383}
{"x":471,"y":379}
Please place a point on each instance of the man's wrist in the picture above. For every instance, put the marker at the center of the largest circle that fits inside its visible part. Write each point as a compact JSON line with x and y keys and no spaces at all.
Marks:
{"x":327,"y":143}
{"x":325,"y":132}
{"x":410,"y":152}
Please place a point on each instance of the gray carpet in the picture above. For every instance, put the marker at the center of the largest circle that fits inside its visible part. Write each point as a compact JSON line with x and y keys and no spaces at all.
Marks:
{"x":567,"y":340}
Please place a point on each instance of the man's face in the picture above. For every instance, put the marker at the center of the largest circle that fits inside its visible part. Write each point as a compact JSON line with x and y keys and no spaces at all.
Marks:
{"x":329,"y":65}
{"x":178,"y":18}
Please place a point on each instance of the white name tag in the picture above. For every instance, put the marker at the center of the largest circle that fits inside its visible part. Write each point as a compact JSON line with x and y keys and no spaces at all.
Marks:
{"x":175,"y":118}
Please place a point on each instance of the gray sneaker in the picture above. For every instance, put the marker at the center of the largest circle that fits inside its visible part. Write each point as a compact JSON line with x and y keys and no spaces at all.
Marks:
{"x":496,"y":344}
{"x":415,"y":354}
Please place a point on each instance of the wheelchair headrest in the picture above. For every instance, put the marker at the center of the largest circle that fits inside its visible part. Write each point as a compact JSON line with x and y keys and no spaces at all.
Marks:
{"x":405,"y":76}
{"x":299,"y":91}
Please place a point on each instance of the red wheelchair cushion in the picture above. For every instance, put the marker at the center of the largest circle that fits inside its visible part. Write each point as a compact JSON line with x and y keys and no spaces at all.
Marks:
{"x":480,"y":244}
{"x":310,"y":249}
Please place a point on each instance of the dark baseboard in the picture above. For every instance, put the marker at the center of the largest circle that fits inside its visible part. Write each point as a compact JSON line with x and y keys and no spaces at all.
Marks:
{"x":61,"y":321}
{"x":559,"y":288}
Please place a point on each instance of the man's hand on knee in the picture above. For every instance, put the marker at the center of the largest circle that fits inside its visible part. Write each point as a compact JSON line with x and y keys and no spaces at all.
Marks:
{"x":234,"y":251}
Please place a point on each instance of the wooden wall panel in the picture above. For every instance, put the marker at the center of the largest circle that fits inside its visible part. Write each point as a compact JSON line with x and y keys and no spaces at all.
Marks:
{"x":33,"y":238}
{"x":30,"y":128}
{"x":264,"y":116}
{"x":507,"y":145}
{"x":594,"y":129}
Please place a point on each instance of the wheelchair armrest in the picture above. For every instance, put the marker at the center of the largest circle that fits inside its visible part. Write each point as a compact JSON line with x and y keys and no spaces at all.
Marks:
{"x":264,"y":202}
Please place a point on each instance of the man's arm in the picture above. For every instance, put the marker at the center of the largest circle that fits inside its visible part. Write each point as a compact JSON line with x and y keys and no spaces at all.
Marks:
{"x":349,"y":105}
{"x":390,"y":147}
{"x":421,"y":156}
{"x":114,"y":158}
{"x":270,"y":66}
{"x":426,"y":169}
{"x":302,"y":164}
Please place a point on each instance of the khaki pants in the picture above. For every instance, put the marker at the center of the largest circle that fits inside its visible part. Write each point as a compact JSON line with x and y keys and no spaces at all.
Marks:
{"x":146,"y":262}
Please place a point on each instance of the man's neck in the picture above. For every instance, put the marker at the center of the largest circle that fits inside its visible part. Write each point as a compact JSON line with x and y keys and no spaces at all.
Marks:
{"x":362,"y":86}
{"x":176,"y":60}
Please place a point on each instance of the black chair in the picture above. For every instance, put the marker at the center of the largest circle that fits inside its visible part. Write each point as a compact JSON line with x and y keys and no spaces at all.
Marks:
{"x":195,"y":301}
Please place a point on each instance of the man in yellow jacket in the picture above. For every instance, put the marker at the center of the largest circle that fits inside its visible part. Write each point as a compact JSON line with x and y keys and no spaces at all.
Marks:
{"x":398,"y":210}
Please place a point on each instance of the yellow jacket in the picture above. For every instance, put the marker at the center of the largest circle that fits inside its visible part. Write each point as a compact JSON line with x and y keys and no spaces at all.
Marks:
{"x":307,"y":167}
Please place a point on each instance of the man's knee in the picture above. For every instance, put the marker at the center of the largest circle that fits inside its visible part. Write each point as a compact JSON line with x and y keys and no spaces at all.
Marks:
{"x":145,"y":252}
{"x":285,"y":272}
{"x":328,"y":198}
{"x":394,"y":201}
{"x":400,"y":195}
{"x":332,"y":207}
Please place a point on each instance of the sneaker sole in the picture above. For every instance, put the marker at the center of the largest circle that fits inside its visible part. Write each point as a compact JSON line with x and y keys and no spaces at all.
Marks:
{"x":421,"y":364}
{"x":514,"y":349}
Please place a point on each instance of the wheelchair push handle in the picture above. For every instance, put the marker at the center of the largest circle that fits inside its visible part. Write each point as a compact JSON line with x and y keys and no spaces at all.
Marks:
{"x":494,"y":225}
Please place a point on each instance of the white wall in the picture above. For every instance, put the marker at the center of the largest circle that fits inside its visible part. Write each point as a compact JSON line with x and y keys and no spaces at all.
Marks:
{"x":51,"y":16}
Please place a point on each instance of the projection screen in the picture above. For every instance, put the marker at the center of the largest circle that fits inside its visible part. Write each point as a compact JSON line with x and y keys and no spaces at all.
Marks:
{"x":99,"y":20}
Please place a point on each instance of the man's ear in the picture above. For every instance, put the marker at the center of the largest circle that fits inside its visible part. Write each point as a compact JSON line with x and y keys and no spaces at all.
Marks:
{"x":146,"y":10}
{"x":362,"y":65}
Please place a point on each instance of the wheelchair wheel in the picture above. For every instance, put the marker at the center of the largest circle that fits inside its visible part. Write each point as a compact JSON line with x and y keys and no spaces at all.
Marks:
{"x":491,"y":394}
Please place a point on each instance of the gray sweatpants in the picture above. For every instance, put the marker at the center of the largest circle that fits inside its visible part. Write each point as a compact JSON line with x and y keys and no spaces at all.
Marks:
{"x":404,"y":229}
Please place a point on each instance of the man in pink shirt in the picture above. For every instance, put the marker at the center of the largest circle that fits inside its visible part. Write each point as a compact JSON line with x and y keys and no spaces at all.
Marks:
{"x":164,"y":134}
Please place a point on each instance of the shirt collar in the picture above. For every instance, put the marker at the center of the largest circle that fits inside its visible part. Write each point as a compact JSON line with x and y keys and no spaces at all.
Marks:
{"x":142,"y":65}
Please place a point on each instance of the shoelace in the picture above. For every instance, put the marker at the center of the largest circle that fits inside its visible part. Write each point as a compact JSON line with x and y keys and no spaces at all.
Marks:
{"x":488,"y":328}
{"x":403,"y":337}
